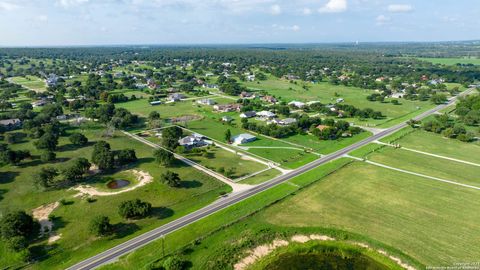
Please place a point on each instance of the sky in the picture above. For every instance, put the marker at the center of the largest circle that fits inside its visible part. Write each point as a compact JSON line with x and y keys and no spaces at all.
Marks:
{"x":124,"y":22}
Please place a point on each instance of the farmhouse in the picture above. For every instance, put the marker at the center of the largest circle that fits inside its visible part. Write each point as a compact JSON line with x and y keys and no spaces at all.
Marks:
{"x":248,"y":114}
{"x":176,"y":97}
{"x":207,"y":101}
{"x":10,"y":124}
{"x":243,"y":138}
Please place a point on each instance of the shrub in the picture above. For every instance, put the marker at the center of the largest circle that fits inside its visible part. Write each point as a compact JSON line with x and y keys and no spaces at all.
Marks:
{"x":134,"y":209}
{"x":48,"y":156}
{"x":171,"y":179}
{"x":78,"y":139}
{"x":100,"y":226}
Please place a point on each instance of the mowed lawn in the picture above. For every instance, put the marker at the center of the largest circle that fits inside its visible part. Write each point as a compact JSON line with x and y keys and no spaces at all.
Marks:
{"x":435,"y":223}
{"x":31,"y":82}
{"x":439,"y":145}
{"x":328,"y":93}
{"x":18,"y":192}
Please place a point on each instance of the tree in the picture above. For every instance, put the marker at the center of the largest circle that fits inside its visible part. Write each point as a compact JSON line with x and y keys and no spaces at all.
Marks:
{"x":13,"y":157}
{"x":170,"y":137}
{"x":134,"y":209}
{"x":171,"y":179}
{"x":78,"y":139}
{"x":164,"y":157}
{"x":46,"y":177}
{"x":228,"y":136}
{"x":47,"y":141}
{"x":100,"y":226}
{"x":18,"y":224}
{"x":102,"y":156}
{"x":438,"y":98}
{"x":154,"y":115}
{"x":125,"y":156}
{"x":75,"y":171}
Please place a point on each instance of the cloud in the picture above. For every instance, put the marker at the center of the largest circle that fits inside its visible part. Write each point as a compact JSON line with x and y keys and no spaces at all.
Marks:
{"x":6,"y":6}
{"x":382,"y":19}
{"x":71,"y":3}
{"x":399,"y":8}
{"x":42,"y":18}
{"x":306,"y":11}
{"x":275,"y":10}
{"x":294,"y":28}
{"x":334,"y":6}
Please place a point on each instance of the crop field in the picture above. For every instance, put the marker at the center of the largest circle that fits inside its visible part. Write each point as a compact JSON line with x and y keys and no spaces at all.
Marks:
{"x":452,"y":61}
{"x":392,"y":208}
{"x":327,"y":93}
{"x":31,"y":82}
{"x":18,"y":192}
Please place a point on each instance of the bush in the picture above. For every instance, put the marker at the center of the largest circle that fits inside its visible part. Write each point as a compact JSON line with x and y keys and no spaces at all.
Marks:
{"x":171,"y":179}
{"x":134,"y":209}
{"x":17,"y":224}
{"x":174,"y":263}
{"x":78,"y":139}
{"x":126,"y":156}
{"x":100,"y":226}
{"x":48,"y":156}
{"x":163,"y":157}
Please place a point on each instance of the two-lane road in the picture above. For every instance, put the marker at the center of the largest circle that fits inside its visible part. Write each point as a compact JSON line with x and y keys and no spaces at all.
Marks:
{"x":141,"y":240}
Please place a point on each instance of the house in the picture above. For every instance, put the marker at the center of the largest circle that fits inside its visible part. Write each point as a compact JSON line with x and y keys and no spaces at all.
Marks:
{"x":151,"y":84}
{"x":251,"y":78}
{"x":118,"y":75}
{"x":398,"y":95}
{"x":291,"y":77}
{"x":266,"y":114}
{"x":297,"y":104}
{"x":343,"y":78}
{"x":193,"y":141}
{"x":322,"y":127}
{"x":248,"y":114}
{"x":269,"y":99}
{"x":380,"y":79}
{"x":153,"y":103}
{"x":52,"y":80}
{"x":227,"y":118}
{"x":243,"y":138}
{"x":247,"y":95}
{"x":209,"y":75}
{"x":39,"y":103}
{"x":10,"y":124}
{"x":207,"y":101}
{"x":287,"y":121}
{"x":340,"y":100}
{"x":312,"y":102}
{"x":210,"y":85}
{"x":176,"y":97}
{"x":227,"y":107}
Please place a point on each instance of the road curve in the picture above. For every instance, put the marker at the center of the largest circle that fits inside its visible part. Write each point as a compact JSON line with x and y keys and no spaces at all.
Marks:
{"x":141,"y":240}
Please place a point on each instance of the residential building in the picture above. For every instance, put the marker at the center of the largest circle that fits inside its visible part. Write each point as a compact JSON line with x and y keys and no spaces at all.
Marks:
{"x":176,"y":97}
{"x":297,"y":104}
{"x":266,"y":114}
{"x":248,"y":114}
{"x":227,"y":107}
{"x":243,"y":138}
{"x":269,"y":99}
{"x":227,"y":118}
{"x":153,"y":103}
{"x":193,"y":141}
{"x":251,"y":78}
{"x":10,"y":124}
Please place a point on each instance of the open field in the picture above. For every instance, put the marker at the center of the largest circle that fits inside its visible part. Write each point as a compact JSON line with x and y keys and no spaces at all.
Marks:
{"x":18,"y":192}
{"x":392,"y":208}
{"x":31,"y":82}
{"x":452,"y":61}
{"x":328,"y":93}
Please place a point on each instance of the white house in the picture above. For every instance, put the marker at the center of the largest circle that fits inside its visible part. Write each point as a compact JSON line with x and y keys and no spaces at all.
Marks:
{"x":266,"y":114}
{"x":297,"y":104}
{"x":251,"y":78}
{"x":243,"y":138}
{"x":207,"y":101}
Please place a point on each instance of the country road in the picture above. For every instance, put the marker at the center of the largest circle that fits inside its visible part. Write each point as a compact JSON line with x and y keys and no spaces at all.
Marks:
{"x":141,"y":240}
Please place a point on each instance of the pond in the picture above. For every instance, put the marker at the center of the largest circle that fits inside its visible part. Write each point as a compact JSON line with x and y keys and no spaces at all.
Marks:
{"x":116,"y":184}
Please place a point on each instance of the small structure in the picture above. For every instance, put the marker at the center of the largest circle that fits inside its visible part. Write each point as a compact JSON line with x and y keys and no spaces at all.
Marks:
{"x":266,"y":114}
{"x":39,"y":103}
{"x":312,"y":102}
{"x":243,"y":138}
{"x":227,"y":119}
{"x":11,"y":124}
{"x":288,"y":121}
{"x":210,"y":85}
{"x":52,"y":80}
{"x":322,"y":127}
{"x":245,"y":94}
{"x":297,"y":104}
{"x":340,"y":100}
{"x":248,"y":114}
{"x":193,"y":141}
{"x":251,"y":78}
{"x":207,"y":101}
{"x":152,"y":84}
{"x":154,"y":103}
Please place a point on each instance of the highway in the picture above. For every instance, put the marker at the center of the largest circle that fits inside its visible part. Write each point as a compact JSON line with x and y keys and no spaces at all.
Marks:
{"x":141,"y":240}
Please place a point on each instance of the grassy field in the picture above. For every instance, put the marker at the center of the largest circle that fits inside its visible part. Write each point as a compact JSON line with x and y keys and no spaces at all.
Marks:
{"x":31,"y":82}
{"x":18,"y":192}
{"x":452,"y":61}
{"x":439,"y":145}
{"x":392,"y":208}
{"x":328,"y":93}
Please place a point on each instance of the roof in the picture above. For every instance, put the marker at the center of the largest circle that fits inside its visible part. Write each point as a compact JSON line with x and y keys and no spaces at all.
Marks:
{"x":322,"y":127}
{"x":289,"y":121}
{"x":266,"y":114}
{"x":249,"y":114}
{"x":244,"y":136}
{"x":12,"y":121}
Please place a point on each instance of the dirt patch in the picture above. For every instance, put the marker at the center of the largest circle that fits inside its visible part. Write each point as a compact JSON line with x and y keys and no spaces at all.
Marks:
{"x":54,"y":237}
{"x":41,"y":214}
{"x":263,"y":250}
{"x":142,"y":177}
